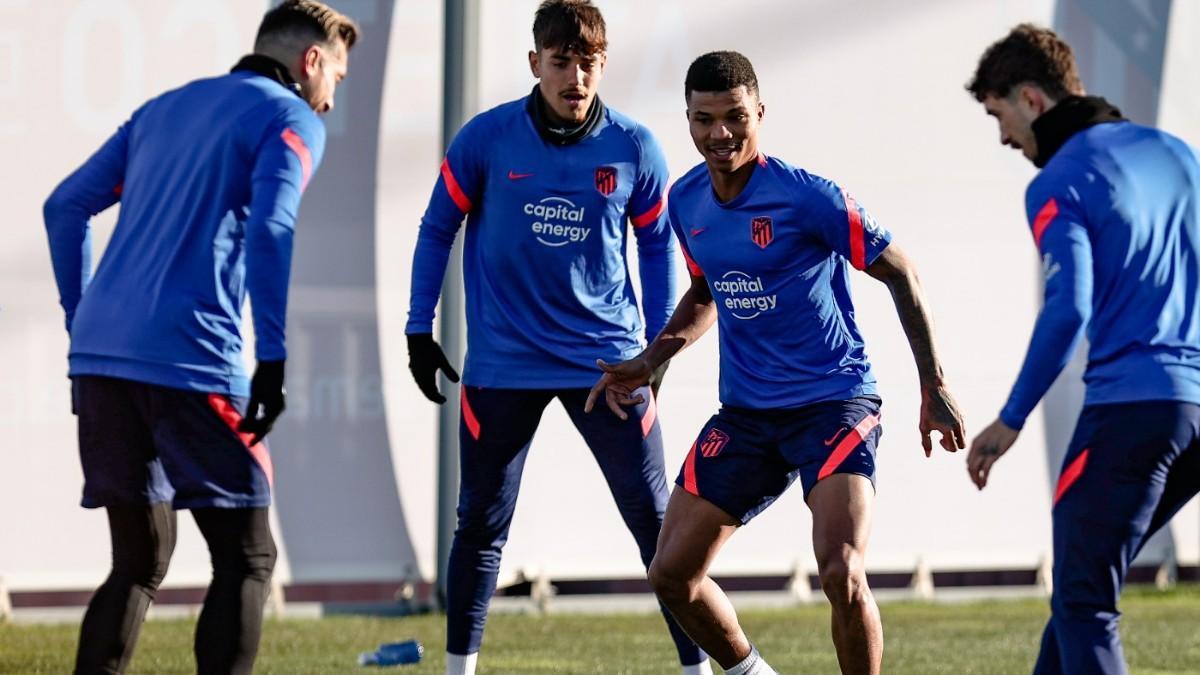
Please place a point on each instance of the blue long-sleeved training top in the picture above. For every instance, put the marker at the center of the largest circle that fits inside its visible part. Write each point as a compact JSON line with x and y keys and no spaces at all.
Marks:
{"x":548,"y":287}
{"x":775,"y":258}
{"x":209,"y":178}
{"x":1115,"y":214}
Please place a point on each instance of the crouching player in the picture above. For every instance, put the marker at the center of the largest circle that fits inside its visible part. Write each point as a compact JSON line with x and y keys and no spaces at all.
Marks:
{"x":767,"y":245}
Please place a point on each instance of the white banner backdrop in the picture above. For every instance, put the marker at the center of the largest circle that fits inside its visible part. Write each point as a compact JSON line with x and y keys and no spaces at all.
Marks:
{"x":869,"y":95}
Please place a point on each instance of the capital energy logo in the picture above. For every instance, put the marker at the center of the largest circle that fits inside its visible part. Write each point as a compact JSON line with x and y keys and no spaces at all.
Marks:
{"x":557,"y":221}
{"x":744,"y":295}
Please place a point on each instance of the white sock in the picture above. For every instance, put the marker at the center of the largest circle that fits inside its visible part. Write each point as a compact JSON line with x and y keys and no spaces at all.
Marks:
{"x":701,"y":668}
{"x":752,"y":665}
{"x":461,"y":664}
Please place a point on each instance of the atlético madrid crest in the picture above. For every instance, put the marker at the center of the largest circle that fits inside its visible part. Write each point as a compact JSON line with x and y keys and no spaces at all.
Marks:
{"x":714,"y":442}
{"x":762,"y":231}
{"x":606,"y":180}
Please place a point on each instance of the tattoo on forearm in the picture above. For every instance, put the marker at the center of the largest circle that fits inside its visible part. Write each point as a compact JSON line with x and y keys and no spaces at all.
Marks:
{"x":910,"y":305}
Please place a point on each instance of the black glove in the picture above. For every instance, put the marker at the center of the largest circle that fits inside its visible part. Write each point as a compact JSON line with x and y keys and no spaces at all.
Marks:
{"x":425,"y":358}
{"x":266,"y":400}
{"x":656,"y":377}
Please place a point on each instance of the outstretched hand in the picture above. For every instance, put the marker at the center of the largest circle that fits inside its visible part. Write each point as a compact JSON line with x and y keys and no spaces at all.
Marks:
{"x":989,"y":446}
{"x":425,"y":359}
{"x":618,"y":383}
{"x":940,"y":413}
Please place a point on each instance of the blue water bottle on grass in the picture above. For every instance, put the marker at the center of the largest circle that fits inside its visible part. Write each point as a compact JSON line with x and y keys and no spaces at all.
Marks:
{"x":393,"y":654}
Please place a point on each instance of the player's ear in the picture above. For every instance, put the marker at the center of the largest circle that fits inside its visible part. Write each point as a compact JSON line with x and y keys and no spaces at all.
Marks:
{"x":1033,"y":98}
{"x":312,"y":60}
{"x":762,"y":110}
{"x":535,"y":65}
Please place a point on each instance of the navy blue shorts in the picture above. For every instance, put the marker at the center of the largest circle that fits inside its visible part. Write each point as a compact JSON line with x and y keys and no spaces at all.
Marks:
{"x":744,"y":459}
{"x":142,"y":444}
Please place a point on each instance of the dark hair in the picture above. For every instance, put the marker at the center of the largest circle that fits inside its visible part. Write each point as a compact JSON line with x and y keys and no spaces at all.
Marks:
{"x":570,"y":25}
{"x":720,"y":71}
{"x":306,"y":20}
{"x":1028,"y":54}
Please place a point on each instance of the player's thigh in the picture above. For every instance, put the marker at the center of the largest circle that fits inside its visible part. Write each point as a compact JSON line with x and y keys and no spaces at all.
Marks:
{"x":842,"y":508}
{"x":735,"y":464}
{"x":496,"y":430}
{"x":1113,"y":480}
{"x":629,"y":452}
{"x":693,"y":531}
{"x":116,"y":448}
{"x":238,"y":539}
{"x":1183,"y":479}
{"x":208,"y":461}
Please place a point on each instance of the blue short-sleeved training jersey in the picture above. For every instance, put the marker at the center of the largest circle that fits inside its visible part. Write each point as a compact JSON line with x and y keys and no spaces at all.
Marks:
{"x":775,"y":258}
{"x":209,"y":178}
{"x":548,"y":288}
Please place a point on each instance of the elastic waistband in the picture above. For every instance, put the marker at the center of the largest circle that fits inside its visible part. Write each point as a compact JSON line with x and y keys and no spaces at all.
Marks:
{"x":772,"y":413}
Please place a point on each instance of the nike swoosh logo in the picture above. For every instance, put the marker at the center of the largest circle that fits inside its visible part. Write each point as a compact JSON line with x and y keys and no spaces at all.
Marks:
{"x":834,"y":437}
{"x":698,"y":230}
{"x":513,"y":175}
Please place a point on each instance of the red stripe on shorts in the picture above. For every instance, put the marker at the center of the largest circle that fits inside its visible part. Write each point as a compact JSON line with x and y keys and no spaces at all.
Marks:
{"x":849,"y":442}
{"x":232,"y":419}
{"x":689,"y":472}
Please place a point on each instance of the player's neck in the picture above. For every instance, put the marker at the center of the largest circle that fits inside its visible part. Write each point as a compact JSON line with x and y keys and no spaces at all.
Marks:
{"x":556,"y":130}
{"x":727,"y":185}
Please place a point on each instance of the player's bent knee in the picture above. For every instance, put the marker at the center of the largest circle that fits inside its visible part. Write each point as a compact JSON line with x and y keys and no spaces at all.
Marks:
{"x":146,"y":571}
{"x":261,"y":561}
{"x":843,"y":579}
{"x":669,"y":586}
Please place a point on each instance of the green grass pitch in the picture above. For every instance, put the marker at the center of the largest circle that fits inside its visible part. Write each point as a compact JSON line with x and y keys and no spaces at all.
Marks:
{"x":1161,"y":632}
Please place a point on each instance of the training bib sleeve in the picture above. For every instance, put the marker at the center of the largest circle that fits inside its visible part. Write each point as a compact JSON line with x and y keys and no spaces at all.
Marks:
{"x":843,"y":224}
{"x":1057,"y":223}
{"x":458,"y":190}
{"x":656,"y":249}
{"x":92,"y":188}
{"x":288,"y":156}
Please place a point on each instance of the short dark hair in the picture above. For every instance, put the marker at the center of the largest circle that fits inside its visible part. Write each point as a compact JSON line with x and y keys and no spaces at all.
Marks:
{"x":570,"y":25}
{"x":1028,"y":54}
{"x":720,"y":71}
{"x":306,"y":20}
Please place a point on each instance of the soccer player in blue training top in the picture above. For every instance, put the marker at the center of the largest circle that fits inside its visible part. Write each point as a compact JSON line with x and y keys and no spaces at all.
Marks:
{"x":767,"y":245}
{"x":1115,"y":215}
{"x":547,"y":184}
{"x":209,"y":178}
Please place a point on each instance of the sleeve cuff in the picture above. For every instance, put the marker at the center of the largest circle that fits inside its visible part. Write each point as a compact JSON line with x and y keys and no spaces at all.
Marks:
{"x":415,"y":327}
{"x":1011,"y":418}
{"x":267,"y":352}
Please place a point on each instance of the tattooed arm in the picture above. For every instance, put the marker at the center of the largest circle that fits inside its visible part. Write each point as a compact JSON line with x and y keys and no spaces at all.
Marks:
{"x":695,"y":314}
{"x":939,"y":412}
